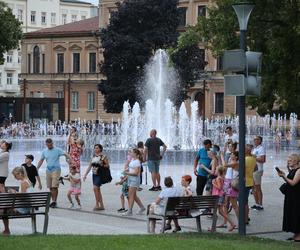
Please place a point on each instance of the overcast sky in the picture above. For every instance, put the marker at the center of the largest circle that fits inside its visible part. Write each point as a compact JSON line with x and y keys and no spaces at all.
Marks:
{"x":92,"y":1}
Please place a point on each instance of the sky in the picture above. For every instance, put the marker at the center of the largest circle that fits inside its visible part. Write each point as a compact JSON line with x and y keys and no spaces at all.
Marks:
{"x":95,"y":2}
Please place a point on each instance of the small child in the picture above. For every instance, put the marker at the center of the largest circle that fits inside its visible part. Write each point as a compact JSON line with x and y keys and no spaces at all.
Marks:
{"x":218,"y":184}
{"x":75,"y":186}
{"x":31,"y":171}
{"x":158,"y":206}
{"x":124,"y":182}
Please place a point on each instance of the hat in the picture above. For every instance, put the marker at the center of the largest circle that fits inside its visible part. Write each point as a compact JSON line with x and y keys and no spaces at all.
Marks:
{"x":30,"y":157}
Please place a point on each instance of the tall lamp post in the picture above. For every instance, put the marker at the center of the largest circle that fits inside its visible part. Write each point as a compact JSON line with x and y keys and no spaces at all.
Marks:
{"x":243,"y":11}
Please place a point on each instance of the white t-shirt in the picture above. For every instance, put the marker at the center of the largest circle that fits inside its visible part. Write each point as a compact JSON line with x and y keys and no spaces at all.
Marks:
{"x":166,"y":193}
{"x":133,"y":165}
{"x":76,"y":177}
{"x":259,"y":151}
{"x":233,"y":137}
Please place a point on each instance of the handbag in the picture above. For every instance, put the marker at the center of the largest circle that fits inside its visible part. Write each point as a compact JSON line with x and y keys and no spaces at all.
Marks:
{"x":284,"y":188}
{"x":235,"y":183}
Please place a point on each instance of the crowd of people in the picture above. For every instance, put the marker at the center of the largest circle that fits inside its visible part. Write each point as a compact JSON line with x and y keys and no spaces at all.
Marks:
{"x":216,"y":172}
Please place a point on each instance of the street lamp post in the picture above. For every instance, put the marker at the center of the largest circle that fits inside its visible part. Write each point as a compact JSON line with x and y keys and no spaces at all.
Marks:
{"x":243,"y":11}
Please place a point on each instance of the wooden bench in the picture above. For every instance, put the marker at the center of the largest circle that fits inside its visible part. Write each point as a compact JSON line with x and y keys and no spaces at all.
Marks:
{"x":38,"y":204}
{"x":185,"y":208}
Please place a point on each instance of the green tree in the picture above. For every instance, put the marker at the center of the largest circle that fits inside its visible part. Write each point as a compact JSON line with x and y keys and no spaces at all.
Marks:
{"x":188,"y":59}
{"x":10,"y":32}
{"x":136,"y":30}
{"x":274,"y":30}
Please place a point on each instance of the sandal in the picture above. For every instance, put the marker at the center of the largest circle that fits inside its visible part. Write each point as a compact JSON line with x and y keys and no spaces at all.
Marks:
{"x":232,"y":228}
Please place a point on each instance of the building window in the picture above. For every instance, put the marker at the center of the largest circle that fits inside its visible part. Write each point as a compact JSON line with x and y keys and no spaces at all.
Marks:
{"x":43,"y":63}
{"x":44,"y":18}
{"x":19,"y":57}
{"x":20,"y":15}
{"x":60,"y":63}
{"x":29,"y":63}
{"x":219,"y":103}
{"x":53,"y":18}
{"x":73,"y":18}
{"x":9,"y":78}
{"x":33,"y":17}
{"x":91,"y":101}
{"x":64,"y":18}
{"x":9,"y":57}
{"x":74,"y":100}
{"x":59,"y":94}
{"x":36,"y":60}
{"x":202,"y":53}
{"x":92,"y":62}
{"x":83,"y":17}
{"x":76,"y":62}
{"x":219,"y":63}
{"x":182,"y":16}
{"x":202,"y":10}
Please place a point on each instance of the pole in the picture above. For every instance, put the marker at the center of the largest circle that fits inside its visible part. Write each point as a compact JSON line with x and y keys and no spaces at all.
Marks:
{"x":69,"y":99}
{"x":24,"y":100}
{"x":242,"y":144}
{"x":203,"y":114}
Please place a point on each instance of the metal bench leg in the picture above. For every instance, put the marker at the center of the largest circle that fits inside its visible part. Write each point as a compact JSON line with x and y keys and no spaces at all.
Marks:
{"x":46,"y":224}
{"x":148,"y":225}
{"x":198,"y":222}
{"x":214,"y":221}
{"x":163,"y":225}
{"x":33,"y":224}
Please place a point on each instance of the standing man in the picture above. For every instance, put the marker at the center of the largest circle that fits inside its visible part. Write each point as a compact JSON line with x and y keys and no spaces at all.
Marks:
{"x":202,"y":159}
{"x":260,"y":153}
{"x":152,"y":154}
{"x":230,"y":137}
{"x":52,"y":154}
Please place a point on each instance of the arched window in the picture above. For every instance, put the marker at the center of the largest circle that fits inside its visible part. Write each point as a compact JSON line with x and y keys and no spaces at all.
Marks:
{"x":36,"y":59}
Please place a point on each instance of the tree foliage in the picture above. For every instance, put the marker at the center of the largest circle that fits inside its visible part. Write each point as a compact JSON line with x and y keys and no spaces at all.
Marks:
{"x":188,"y":60}
{"x":274,"y":30}
{"x":136,"y":30}
{"x":10,"y":32}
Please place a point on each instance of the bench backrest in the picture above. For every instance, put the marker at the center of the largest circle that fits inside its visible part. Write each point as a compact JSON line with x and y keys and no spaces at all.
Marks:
{"x":193,"y":202}
{"x":24,"y":200}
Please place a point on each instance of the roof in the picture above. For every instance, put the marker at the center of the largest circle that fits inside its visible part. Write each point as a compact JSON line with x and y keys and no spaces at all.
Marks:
{"x":75,"y":1}
{"x":84,"y":27}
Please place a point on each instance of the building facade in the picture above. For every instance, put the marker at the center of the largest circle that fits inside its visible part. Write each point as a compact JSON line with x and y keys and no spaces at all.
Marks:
{"x":36,"y":15}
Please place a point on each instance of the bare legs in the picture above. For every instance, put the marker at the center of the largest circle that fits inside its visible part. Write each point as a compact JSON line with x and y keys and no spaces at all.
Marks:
{"x":54,"y":193}
{"x":155,"y":179}
{"x":132,"y":197}
{"x":258,"y":195}
{"x":98,"y":198}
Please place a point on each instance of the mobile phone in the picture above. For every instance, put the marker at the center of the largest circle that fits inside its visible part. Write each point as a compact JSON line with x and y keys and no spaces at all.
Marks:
{"x":278,"y":170}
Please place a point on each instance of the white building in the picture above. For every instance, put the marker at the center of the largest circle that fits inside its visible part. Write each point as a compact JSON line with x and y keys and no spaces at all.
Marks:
{"x":35,"y":15}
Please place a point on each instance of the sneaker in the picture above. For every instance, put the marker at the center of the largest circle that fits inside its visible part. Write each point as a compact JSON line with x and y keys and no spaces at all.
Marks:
{"x":140,"y":189}
{"x":128,"y":213}
{"x":168,"y":227}
{"x":259,"y":208}
{"x":177,"y":229}
{"x":158,"y":188}
{"x":141,"y":211}
{"x":53,"y":204}
{"x":152,"y":189}
{"x":254,"y":207}
{"x":121,"y":210}
{"x":71,"y":206}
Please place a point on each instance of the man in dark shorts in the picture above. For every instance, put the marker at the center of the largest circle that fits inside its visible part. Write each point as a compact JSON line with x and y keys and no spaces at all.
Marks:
{"x":32,"y":172}
{"x":152,"y":154}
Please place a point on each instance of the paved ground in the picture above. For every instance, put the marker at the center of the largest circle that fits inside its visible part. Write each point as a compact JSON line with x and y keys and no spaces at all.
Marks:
{"x":265,"y":223}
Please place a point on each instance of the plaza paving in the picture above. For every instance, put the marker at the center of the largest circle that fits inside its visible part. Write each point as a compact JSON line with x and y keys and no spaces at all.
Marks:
{"x":265,"y":223}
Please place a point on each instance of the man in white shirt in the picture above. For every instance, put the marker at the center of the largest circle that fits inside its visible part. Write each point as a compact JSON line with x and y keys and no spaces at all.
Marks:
{"x":260,"y":153}
{"x":230,"y":137}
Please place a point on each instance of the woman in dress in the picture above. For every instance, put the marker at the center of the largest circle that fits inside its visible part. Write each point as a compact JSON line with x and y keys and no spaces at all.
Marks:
{"x":291,"y":209}
{"x":98,"y":160}
{"x":4,"y":158}
{"x":76,"y":149}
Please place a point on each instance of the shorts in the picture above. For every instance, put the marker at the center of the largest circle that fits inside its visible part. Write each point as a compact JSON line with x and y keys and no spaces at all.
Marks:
{"x":133,"y":181}
{"x":97,"y":180}
{"x":75,"y":191}
{"x":257,"y":176}
{"x":221,"y":200}
{"x":153,"y":166}
{"x":52,"y":178}
{"x":2,"y":180}
{"x":247,"y":193}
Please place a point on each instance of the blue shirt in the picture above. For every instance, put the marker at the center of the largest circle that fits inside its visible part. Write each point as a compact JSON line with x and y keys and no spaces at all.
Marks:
{"x":52,"y":158}
{"x":203,"y":160}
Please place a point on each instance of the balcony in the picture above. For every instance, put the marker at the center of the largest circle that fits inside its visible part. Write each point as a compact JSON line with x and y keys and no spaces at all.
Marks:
{"x":9,"y":88}
{"x":12,"y":66}
{"x":62,"y":77}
